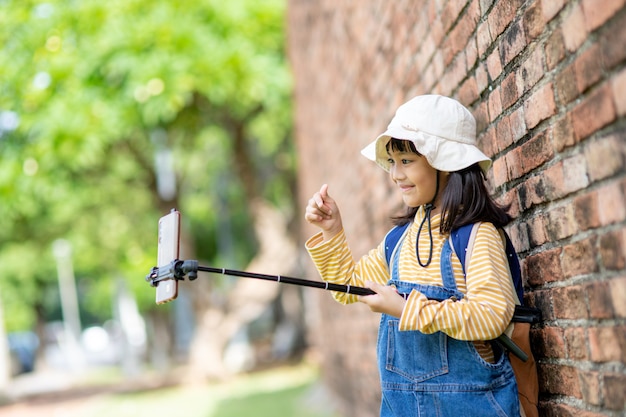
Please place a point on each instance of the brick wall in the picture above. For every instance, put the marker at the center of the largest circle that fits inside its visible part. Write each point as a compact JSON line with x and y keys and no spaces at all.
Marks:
{"x":546,"y":80}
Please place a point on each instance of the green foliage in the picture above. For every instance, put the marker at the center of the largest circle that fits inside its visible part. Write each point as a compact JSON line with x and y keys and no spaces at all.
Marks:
{"x":99,"y":88}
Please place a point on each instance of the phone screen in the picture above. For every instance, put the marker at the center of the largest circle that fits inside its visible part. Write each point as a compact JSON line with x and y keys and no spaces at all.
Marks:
{"x":168,"y":248}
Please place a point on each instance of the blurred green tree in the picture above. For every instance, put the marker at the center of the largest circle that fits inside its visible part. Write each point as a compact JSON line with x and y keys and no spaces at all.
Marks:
{"x":113,"y":112}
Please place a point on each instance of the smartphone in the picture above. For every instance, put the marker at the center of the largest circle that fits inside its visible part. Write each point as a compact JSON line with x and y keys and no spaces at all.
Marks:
{"x":168,"y":251}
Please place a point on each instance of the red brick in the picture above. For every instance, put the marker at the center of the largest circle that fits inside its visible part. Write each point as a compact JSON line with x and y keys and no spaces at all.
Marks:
{"x":540,"y":299}
{"x":534,"y":22}
{"x":484,"y":6}
{"x":473,"y":11}
{"x":563,"y":133}
{"x":608,"y":344}
{"x":613,"y":391}
{"x":518,"y":124}
{"x":471,"y":52}
{"x":483,"y":38}
{"x":459,"y":35}
{"x":500,"y":172}
{"x":513,"y":160}
{"x":537,"y":230}
{"x":586,"y":211}
{"x":550,"y":8}
{"x":612,"y":41}
{"x":481,"y":114}
{"x":566,"y":86}
{"x":563,"y":410}
{"x":495,"y":105}
{"x":503,"y":134}
{"x":554,"y":49}
{"x":510,"y":199}
{"x":611,"y":201}
{"x":531,"y":71}
{"x":561,"y":223}
{"x":579,"y":258}
{"x":552,"y":343}
{"x":539,"y":106}
{"x":596,"y":16}
{"x":502,"y":15}
{"x":595,"y":112}
{"x":576,"y":340}
{"x":559,"y":379}
{"x":468,"y":93}
{"x":512,"y":43}
{"x":536,"y":152}
{"x":618,"y":290}
{"x":618,"y":87}
{"x":518,"y":233}
{"x":544,"y":267}
{"x":482,"y":77}
{"x":575,"y":170}
{"x":509,"y":91}
{"x":588,"y":68}
{"x":487,"y":142}
{"x":494,"y":65}
{"x":574,"y":33}
{"x":569,"y":303}
{"x":553,"y":182}
{"x":459,"y":70}
{"x":590,"y":387}
{"x":606,"y":157}
{"x":448,"y":16}
{"x":613,"y":250}
{"x":600,"y":300}
{"x":532,"y":191}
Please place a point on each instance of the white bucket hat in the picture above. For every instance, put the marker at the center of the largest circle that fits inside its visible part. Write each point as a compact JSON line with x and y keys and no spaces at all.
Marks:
{"x":441,"y":128}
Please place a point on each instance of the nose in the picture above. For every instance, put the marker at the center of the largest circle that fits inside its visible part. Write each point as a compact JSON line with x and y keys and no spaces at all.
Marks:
{"x":396,"y":172}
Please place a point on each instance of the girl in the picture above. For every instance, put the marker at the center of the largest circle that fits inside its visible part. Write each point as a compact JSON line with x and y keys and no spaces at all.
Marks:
{"x":434,"y":352}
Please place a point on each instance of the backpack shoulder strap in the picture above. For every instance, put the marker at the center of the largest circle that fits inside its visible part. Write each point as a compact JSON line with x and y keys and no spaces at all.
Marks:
{"x":514,"y":266}
{"x":392,"y":238}
{"x":462,"y":240}
{"x":462,"y":243}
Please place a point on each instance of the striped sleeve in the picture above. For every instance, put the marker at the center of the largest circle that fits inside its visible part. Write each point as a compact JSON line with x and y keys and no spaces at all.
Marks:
{"x":488,"y":305}
{"x":335,"y":264}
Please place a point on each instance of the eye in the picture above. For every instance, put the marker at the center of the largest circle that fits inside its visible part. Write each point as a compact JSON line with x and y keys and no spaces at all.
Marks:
{"x":406,"y":161}
{"x":390,"y":161}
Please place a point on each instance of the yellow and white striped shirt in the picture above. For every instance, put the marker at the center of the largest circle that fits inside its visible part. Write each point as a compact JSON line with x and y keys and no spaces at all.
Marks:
{"x":483,"y":314}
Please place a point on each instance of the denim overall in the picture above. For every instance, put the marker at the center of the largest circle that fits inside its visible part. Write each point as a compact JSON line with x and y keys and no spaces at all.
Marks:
{"x":425,"y":375}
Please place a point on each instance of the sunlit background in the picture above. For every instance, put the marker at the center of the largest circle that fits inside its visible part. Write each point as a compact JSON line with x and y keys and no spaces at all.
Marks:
{"x":111,"y":114}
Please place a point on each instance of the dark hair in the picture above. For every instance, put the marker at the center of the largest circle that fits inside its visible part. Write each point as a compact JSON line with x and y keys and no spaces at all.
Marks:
{"x":465,"y":200}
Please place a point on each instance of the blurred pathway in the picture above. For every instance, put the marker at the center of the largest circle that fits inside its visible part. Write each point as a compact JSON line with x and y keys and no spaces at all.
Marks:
{"x":65,"y":394}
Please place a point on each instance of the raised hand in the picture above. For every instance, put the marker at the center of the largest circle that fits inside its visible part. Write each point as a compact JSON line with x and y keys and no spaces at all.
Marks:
{"x":322,"y":211}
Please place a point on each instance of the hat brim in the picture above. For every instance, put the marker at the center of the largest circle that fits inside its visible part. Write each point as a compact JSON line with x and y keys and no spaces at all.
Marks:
{"x":441,"y":154}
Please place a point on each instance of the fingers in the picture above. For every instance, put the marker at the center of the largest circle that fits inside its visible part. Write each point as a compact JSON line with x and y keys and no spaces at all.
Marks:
{"x":318,"y":207}
{"x":324,"y":191}
{"x":386,"y":300}
{"x":321,"y":199}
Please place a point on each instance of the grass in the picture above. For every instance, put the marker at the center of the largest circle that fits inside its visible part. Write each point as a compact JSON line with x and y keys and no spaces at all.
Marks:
{"x":285,"y":392}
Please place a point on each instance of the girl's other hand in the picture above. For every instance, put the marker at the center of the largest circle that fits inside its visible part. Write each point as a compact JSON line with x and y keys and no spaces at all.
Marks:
{"x":386,"y":300}
{"x":322,"y":211}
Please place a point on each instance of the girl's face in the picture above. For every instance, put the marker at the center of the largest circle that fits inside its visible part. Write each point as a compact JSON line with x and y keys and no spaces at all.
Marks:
{"x":412,"y":173}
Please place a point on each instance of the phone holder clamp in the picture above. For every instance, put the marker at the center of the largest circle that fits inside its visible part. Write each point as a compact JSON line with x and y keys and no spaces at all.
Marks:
{"x":176,"y":269}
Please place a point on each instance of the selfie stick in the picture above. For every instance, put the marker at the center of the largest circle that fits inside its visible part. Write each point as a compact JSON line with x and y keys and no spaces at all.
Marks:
{"x":177,"y":270}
